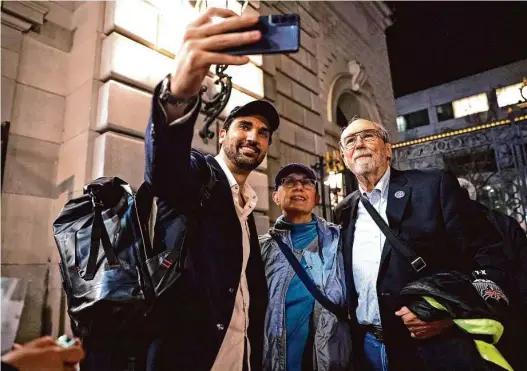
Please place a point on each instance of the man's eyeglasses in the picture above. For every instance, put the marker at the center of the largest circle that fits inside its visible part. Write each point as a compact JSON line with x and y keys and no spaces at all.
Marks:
{"x":367,"y":135}
{"x":291,"y":182}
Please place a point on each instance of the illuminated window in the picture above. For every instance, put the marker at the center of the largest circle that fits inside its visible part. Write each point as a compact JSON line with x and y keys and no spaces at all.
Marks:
{"x":237,"y":6}
{"x":401,"y":124}
{"x":509,"y":95}
{"x":412,"y":120}
{"x":470,"y":105}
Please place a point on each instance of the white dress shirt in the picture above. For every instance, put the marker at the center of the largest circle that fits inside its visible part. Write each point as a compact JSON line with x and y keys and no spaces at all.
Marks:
{"x":368,"y":243}
{"x":230,"y":355}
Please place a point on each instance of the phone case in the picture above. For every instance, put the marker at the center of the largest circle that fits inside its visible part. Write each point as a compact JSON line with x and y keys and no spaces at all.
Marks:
{"x":280,"y":34}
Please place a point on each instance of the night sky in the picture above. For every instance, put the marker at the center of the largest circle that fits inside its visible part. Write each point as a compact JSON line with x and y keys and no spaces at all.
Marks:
{"x":432,"y":43}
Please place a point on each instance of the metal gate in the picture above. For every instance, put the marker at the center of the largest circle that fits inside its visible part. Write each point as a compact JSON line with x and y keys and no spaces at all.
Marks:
{"x":491,"y":158}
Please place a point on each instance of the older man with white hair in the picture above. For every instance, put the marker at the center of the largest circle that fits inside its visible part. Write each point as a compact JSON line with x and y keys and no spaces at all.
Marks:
{"x":426,"y":211}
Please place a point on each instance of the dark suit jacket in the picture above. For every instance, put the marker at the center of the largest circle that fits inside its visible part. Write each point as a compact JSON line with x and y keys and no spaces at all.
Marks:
{"x":431,"y":218}
{"x":515,"y":242}
{"x":196,"y":313}
{"x":515,"y":247}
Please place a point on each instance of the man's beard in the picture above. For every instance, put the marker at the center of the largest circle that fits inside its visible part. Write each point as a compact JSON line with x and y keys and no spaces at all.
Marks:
{"x":241,"y":161}
{"x":366,"y":165}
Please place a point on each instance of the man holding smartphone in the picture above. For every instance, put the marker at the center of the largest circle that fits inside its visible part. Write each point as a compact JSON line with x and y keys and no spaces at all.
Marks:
{"x":213,"y":317}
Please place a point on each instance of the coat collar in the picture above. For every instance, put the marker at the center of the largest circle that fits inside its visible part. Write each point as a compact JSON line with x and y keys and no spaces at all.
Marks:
{"x":226,"y":171}
{"x":396,"y":200}
{"x":323,"y":225}
{"x":222,"y":177}
{"x":399,"y":192}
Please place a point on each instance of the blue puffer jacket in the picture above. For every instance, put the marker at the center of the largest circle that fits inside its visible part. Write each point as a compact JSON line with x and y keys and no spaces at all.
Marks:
{"x":332,"y":340}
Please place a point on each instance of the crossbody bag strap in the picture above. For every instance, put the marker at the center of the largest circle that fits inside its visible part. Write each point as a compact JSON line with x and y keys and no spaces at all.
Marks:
{"x":416,"y":261}
{"x":338,"y":311}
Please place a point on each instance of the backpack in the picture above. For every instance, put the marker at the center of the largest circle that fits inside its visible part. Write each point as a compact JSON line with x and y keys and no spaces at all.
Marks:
{"x":111,"y":272}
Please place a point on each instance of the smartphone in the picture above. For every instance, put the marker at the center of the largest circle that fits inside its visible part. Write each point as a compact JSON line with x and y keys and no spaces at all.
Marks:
{"x":280,"y":34}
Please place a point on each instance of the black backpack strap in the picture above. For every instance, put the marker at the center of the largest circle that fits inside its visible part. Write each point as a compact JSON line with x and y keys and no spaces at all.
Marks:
{"x":416,"y":261}
{"x":143,"y":209}
{"x":192,"y":227}
{"x":338,"y":311}
{"x":99,"y":235}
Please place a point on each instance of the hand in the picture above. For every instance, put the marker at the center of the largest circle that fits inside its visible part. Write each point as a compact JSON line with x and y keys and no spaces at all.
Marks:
{"x":44,"y":354}
{"x":420,"y":329}
{"x":201,"y":40}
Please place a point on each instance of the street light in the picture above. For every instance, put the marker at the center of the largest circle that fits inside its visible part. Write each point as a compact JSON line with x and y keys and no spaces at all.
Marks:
{"x":319,"y":168}
{"x":335,"y":180}
{"x":329,"y":170}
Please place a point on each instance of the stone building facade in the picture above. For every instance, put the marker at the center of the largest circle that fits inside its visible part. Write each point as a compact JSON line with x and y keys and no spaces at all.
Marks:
{"x":77,"y":80}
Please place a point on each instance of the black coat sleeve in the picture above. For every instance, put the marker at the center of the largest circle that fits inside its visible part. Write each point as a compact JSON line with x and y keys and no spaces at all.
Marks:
{"x":482,"y":247}
{"x":172,"y":169}
{"x":518,"y":241}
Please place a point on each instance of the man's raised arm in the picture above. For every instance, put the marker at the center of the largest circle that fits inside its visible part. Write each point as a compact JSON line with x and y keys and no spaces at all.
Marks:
{"x":175,"y":105}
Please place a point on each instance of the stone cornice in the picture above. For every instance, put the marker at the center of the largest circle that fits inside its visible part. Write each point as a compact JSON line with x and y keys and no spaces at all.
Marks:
{"x":23,"y":15}
{"x":16,"y":23}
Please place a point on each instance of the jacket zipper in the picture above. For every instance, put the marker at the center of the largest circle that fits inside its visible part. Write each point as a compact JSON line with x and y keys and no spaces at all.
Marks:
{"x":284,"y":337}
{"x":288,"y":280}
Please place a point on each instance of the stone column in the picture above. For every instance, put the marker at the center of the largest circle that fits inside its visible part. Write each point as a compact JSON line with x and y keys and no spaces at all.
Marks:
{"x":36,"y":39}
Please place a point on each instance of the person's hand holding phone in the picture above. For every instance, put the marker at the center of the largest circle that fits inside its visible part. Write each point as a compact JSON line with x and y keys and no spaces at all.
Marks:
{"x":202,"y":40}
{"x":44,"y":354}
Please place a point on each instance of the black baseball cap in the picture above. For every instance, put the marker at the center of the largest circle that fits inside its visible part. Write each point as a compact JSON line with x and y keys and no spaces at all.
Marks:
{"x":293,"y":169}
{"x":257,"y":108}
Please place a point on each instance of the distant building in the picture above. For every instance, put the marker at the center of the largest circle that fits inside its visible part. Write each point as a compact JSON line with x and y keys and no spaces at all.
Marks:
{"x":475,"y":127}
{"x":466,"y":102}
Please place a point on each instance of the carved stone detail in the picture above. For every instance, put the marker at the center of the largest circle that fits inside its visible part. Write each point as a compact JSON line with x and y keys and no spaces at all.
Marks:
{"x":358,"y":77}
{"x":23,"y":15}
{"x":354,"y":82}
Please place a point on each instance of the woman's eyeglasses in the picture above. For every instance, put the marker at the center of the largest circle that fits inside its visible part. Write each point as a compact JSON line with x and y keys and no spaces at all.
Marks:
{"x":291,"y":182}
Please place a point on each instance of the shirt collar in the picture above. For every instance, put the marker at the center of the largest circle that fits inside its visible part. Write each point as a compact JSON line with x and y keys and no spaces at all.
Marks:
{"x":228,"y":174}
{"x":247,"y":191}
{"x":382,"y":184}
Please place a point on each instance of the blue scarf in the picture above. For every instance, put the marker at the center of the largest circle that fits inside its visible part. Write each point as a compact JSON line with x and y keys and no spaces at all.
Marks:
{"x":299,"y":303}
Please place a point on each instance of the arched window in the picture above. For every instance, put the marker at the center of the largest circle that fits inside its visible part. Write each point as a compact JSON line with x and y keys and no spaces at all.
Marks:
{"x":346,"y":100}
{"x":350,"y":104}
{"x":238,"y":6}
